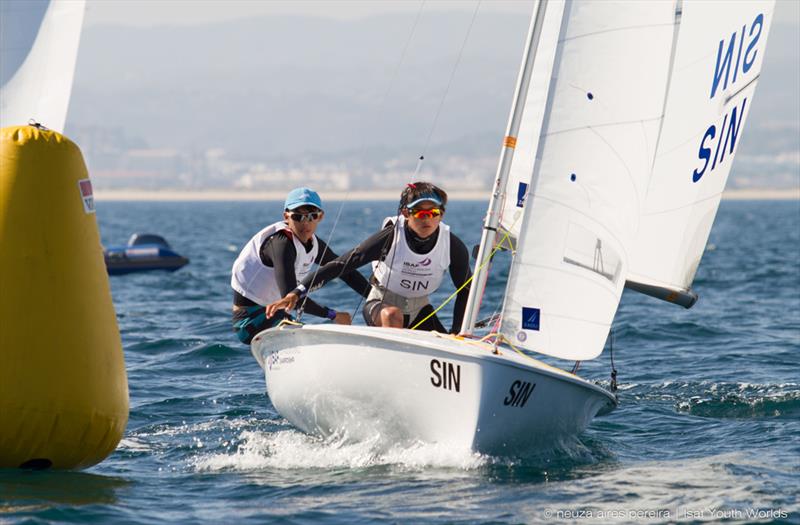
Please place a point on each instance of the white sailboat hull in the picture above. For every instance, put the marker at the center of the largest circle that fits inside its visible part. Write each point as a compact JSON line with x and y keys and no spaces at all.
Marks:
{"x":412,"y":386}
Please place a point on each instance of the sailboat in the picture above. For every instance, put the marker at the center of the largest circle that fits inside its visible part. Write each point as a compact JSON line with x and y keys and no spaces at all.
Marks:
{"x":622,"y":133}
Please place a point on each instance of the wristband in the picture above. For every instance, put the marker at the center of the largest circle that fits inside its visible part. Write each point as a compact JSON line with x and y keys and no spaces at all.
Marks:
{"x":300,"y":290}
{"x":331,"y":314}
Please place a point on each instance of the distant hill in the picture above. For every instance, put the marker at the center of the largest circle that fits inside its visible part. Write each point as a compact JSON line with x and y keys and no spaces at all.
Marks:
{"x":285,"y":87}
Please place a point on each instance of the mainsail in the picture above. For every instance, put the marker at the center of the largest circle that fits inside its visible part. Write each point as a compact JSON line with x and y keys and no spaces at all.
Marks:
{"x":718,"y":58}
{"x":39,"y":46}
{"x":596,"y":151}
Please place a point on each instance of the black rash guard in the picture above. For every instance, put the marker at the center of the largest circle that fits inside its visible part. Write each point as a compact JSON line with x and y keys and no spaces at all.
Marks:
{"x":378,"y":244}
{"x":278,"y":252}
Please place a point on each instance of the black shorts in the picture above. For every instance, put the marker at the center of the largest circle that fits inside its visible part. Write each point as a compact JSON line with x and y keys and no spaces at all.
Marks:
{"x":432,"y":323}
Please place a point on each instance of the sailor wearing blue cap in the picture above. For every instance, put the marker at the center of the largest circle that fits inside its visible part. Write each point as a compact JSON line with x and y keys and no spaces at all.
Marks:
{"x":410,"y":256}
{"x":275,"y":259}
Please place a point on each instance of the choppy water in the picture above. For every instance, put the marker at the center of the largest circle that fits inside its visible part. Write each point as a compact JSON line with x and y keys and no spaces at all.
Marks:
{"x":708,"y":426}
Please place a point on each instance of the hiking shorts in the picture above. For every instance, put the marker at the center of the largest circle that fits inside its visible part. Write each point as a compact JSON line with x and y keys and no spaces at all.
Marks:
{"x":250,"y":320}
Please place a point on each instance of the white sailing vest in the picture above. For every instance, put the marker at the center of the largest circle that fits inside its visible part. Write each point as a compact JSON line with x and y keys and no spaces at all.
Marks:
{"x":412,"y":274}
{"x":257,"y":282}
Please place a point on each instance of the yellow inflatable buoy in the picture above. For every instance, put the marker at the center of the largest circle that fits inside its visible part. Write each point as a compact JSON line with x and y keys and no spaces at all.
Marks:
{"x":63,"y":388}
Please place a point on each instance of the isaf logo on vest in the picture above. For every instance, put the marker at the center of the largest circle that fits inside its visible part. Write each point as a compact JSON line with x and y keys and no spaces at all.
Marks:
{"x":417,"y":269}
{"x":307,"y":262}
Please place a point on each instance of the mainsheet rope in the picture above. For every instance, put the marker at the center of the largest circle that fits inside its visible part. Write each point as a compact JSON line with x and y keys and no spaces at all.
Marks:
{"x":497,"y":246}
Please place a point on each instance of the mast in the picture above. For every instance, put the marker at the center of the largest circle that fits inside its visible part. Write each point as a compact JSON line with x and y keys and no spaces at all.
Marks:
{"x":507,"y":153}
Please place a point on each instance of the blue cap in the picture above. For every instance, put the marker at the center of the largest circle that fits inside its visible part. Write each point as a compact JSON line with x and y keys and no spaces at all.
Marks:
{"x":432,"y":197}
{"x":302,"y":197}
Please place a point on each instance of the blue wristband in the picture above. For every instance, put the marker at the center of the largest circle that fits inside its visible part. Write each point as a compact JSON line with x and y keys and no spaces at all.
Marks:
{"x":331,"y":314}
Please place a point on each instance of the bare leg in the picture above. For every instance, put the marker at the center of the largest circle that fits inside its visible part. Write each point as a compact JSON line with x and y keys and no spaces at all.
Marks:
{"x":389,"y":316}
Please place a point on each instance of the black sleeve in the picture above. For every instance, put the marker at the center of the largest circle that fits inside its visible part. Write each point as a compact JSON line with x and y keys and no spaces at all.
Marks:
{"x":459,"y":272}
{"x":369,"y":250}
{"x":353,"y":279}
{"x":279,"y":253}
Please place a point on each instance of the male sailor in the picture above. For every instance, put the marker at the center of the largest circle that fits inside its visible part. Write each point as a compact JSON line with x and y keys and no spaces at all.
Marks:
{"x":410,"y":256}
{"x":275,"y":259}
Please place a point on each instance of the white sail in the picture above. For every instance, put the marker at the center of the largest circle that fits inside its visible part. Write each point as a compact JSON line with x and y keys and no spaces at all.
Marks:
{"x":598,"y":143}
{"x":527,"y":142}
{"x":39,"y":49}
{"x":718,"y":60}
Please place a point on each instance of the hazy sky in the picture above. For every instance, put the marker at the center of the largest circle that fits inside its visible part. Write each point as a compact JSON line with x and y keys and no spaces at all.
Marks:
{"x":192,"y":12}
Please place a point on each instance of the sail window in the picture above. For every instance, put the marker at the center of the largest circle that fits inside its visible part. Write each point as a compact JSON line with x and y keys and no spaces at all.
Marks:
{"x":587,"y":250}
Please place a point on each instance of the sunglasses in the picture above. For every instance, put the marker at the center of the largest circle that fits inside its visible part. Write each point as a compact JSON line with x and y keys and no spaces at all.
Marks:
{"x":306,"y":217}
{"x":426,"y":214}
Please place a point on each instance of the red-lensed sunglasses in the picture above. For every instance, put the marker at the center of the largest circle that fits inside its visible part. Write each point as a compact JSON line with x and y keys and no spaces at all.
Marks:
{"x":306,"y":217}
{"x":425,"y":214}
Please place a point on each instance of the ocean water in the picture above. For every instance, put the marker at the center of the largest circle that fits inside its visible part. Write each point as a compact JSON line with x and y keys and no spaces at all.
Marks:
{"x":708,"y":427}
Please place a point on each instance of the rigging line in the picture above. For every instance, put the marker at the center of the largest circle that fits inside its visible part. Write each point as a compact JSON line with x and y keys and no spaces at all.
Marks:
{"x":363,"y":148}
{"x":419,"y":165}
{"x":611,"y":352}
{"x":449,"y":83}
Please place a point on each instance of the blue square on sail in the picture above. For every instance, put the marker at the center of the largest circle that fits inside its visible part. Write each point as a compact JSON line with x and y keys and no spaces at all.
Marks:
{"x":530,"y":318}
{"x":522,"y":191}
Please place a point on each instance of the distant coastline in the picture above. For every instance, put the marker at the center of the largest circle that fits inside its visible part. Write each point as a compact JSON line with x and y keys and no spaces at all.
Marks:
{"x":381,"y":195}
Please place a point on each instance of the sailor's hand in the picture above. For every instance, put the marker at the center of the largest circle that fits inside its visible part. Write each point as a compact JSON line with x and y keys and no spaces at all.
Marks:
{"x":287,"y":303}
{"x":343,"y":318}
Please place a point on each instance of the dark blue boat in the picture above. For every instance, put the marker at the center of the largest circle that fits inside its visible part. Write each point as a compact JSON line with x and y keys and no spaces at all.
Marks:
{"x":145,"y":251}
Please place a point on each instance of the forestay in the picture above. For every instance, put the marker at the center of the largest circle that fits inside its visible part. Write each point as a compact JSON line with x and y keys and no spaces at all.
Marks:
{"x":718,"y":60}
{"x":598,"y":142}
{"x":527,"y":143}
{"x":39,"y":48}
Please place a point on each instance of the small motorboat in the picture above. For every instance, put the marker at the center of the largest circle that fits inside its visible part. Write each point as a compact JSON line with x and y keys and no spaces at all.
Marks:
{"x":144,"y":251}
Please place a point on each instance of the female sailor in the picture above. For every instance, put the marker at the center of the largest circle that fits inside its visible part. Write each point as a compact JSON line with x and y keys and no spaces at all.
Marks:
{"x":410,"y":256}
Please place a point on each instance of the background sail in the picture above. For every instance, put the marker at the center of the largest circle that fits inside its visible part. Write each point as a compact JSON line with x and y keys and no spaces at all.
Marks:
{"x":521,"y":170}
{"x":598,"y":143}
{"x":39,"y":46}
{"x":718,"y":60}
